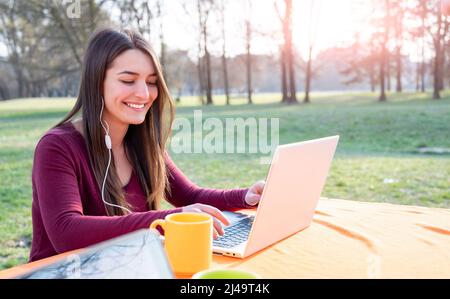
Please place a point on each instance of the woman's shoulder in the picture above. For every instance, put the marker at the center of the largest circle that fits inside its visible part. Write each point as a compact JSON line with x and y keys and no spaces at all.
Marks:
{"x":63,"y":137}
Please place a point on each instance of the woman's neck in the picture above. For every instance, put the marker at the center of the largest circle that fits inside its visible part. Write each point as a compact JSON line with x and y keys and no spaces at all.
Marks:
{"x":117,"y":132}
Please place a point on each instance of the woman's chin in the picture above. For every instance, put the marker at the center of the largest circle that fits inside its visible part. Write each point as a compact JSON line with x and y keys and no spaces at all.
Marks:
{"x":136,"y":121}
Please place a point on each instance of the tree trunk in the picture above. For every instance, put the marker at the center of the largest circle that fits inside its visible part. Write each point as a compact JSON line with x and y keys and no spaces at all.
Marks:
{"x":225,"y":79}
{"x":308,"y":76}
{"x":289,"y":53}
{"x":442,"y":56}
{"x":19,"y":77}
{"x":372,"y":76}
{"x":12,"y":38}
{"x":201,"y":81}
{"x":386,"y":50}
{"x":437,"y":59}
{"x":201,"y":84}
{"x":383,"y":57}
{"x":417,"y":76}
{"x":4,"y":92}
{"x":92,"y":15}
{"x":422,"y":71}
{"x":208,"y":68}
{"x":398,"y":53}
{"x":249,"y":63}
{"x":284,"y":98}
{"x":422,"y":65}
{"x":292,"y":88}
{"x":382,"y":96}
{"x":388,"y":70}
{"x":161,"y":39}
{"x":224,"y":58}
{"x":398,"y":87}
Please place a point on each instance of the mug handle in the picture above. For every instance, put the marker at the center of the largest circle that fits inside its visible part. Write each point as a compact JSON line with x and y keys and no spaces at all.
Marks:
{"x":159,"y":222}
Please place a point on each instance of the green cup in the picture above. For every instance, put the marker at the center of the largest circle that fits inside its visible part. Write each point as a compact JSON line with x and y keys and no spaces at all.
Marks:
{"x":225,"y":274}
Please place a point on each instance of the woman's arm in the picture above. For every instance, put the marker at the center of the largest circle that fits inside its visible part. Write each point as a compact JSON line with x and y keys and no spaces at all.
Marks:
{"x":55,"y":182}
{"x":184,"y":192}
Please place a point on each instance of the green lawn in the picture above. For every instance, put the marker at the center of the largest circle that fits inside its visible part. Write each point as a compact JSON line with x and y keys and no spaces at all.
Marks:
{"x":377,"y":159}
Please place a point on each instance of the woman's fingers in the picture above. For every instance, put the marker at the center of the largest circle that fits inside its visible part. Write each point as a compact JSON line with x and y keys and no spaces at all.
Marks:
{"x":217,"y":216}
{"x":259,"y":187}
{"x":253,"y":199}
{"x":218,"y":227}
{"x":215,"y":213}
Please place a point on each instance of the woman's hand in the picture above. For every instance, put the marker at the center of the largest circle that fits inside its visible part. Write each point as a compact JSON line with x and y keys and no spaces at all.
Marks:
{"x":254,"y":193}
{"x":216,"y":214}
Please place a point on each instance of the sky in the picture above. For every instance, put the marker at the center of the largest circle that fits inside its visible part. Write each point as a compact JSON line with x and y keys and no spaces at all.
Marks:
{"x":326,"y":23}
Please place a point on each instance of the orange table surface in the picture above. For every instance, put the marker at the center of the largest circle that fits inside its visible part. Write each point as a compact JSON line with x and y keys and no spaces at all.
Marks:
{"x":347,"y":239}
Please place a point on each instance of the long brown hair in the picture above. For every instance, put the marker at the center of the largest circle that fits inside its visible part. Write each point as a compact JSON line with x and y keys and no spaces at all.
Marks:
{"x":144,"y":143}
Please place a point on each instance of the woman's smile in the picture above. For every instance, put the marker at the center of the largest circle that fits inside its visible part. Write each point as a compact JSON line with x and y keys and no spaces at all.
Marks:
{"x":135,"y":106}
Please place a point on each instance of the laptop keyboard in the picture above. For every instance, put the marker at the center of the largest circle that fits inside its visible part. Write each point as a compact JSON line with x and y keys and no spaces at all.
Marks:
{"x":235,"y":234}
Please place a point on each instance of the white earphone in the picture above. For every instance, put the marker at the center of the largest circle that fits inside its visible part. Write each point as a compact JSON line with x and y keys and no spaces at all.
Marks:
{"x":108,"y":144}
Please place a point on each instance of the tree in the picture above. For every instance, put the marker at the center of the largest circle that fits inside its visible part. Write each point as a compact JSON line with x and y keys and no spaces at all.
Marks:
{"x":440,"y":31}
{"x":36,"y":32}
{"x":423,"y":14}
{"x":11,"y":35}
{"x":284,"y":86}
{"x":199,"y":15}
{"x":163,"y":48}
{"x":224,"y":57}
{"x":355,"y":70}
{"x":311,"y":41}
{"x":136,"y":14}
{"x":4,"y":89}
{"x":287,"y":54}
{"x":248,"y":57}
{"x":181,"y":70}
{"x":445,"y":41}
{"x":204,"y":7}
{"x":399,"y":12}
{"x":384,"y":52}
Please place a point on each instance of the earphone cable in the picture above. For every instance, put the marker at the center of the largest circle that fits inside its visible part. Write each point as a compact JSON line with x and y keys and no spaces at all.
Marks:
{"x":103,"y":185}
{"x":108,"y":146}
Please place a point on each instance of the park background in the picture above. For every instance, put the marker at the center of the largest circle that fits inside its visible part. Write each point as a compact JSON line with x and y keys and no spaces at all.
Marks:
{"x":375,"y":72}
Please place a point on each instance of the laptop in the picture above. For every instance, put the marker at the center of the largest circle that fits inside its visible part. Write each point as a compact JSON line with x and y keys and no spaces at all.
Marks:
{"x":139,"y":254}
{"x":296,"y":177}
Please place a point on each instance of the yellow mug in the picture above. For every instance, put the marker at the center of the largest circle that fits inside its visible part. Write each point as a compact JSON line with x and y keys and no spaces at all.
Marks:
{"x":188,"y":241}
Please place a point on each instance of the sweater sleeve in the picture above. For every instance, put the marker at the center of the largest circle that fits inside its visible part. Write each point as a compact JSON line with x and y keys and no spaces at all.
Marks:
{"x":184,"y":192}
{"x":56,"y":184}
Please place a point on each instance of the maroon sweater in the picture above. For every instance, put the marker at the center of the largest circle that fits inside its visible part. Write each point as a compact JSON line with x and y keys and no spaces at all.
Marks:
{"x":68,"y":212}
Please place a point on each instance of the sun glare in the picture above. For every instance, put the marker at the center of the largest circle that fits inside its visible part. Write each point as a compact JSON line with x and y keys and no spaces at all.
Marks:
{"x":323,"y":23}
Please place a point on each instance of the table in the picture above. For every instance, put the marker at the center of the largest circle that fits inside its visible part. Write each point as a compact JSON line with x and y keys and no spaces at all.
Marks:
{"x":347,"y":239}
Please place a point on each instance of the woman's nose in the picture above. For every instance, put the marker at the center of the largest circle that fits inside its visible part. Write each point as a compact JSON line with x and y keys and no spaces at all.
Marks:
{"x":142,"y":90}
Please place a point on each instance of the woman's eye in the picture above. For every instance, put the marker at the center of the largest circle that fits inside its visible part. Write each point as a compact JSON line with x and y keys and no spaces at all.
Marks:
{"x":132,"y":82}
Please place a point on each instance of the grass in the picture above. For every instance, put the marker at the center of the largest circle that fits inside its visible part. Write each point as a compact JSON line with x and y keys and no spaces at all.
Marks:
{"x":377,"y":158}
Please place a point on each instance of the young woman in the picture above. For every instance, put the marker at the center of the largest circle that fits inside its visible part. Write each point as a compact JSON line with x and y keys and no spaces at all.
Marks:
{"x":104,"y":174}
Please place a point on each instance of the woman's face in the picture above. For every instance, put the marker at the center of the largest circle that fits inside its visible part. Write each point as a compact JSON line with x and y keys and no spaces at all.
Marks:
{"x":129,"y":88}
